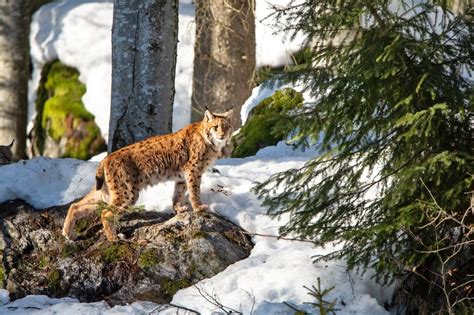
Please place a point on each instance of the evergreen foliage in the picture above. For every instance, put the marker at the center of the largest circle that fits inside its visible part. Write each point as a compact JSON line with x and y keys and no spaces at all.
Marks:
{"x":324,"y":307}
{"x":394,"y":119}
{"x":264,"y":74}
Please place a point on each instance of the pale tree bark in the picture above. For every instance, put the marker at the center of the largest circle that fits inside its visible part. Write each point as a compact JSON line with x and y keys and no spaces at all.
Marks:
{"x":224,"y":56}
{"x":14,"y":72}
{"x":460,"y":6}
{"x":144,"y":40}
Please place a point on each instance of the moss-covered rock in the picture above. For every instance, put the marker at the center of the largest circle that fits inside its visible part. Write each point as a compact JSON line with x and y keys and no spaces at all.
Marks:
{"x":116,"y":252}
{"x":147,"y":264}
{"x":170,"y":287}
{"x":64,"y":127}
{"x":2,"y":276}
{"x":148,"y":258}
{"x":268,"y":123}
{"x":54,"y":279}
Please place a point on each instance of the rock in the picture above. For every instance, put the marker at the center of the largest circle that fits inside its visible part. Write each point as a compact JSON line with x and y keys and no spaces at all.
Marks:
{"x":159,"y":255}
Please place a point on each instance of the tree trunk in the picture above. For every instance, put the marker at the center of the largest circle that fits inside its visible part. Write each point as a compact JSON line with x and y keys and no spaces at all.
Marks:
{"x":224,"y":56}
{"x":144,"y":40}
{"x":460,"y":6}
{"x":14,"y":72}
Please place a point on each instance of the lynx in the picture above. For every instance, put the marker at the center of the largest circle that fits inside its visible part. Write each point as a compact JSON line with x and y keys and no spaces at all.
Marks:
{"x":182,"y":156}
{"x":6,"y":154}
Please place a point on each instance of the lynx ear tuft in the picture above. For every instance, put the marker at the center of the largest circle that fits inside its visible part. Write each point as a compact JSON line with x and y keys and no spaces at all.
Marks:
{"x":208,"y":115}
{"x":11,"y":144}
{"x":229,"y":113}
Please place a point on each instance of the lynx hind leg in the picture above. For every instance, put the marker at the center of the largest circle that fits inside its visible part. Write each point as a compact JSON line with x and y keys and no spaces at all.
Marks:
{"x":178,"y":197}
{"x":117,"y":203}
{"x":108,"y":224}
{"x":83,"y":208}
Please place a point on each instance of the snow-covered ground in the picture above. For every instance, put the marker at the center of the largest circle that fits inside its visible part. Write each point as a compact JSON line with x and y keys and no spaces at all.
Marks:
{"x":275,"y":272}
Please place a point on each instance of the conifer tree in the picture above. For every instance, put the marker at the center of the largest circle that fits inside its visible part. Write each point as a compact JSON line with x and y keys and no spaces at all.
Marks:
{"x":394,"y":122}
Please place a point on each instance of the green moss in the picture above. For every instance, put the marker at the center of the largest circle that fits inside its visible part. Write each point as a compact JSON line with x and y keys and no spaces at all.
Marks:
{"x":61,"y":113}
{"x":148,"y":258}
{"x":191,"y":270}
{"x":136,"y":208}
{"x":54,"y":281}
{"x":88,"y":143}
{"x":83,"y":224}
{"x":176,"y":239}
{"x":170,"y":287}
{"x":155,"y":296}
{"x":199,"y":234}
{"x":68,"y":250}
{"x":2,"y":276}
{"x":101,"y":206}
{"x":44,"y":261}
{"x":116,"y":252}
{"x":268,"y":123}
{"x":66,"y":92}
{"x":299,"y":60}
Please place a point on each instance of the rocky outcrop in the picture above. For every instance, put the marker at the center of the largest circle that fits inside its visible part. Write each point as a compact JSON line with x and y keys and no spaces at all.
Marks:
{"x":159,"y":255}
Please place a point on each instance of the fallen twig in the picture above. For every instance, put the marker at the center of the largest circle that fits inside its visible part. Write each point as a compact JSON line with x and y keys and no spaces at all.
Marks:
{"x":281,"y":237}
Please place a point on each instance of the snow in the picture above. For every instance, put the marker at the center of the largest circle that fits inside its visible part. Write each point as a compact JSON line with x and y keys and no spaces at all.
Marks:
{"x":184,"y":67}
{"x":4,"y":296}
{"x":272,"y":48}
{"x":78,"y":32}
{"x":275,"y":272}
{"x":40,"y":304}
{"x":45,"y":182}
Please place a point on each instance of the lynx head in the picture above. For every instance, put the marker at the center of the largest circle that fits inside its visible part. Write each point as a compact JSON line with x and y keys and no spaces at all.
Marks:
{"x":218,"y":128}
{"x":6,"y":154}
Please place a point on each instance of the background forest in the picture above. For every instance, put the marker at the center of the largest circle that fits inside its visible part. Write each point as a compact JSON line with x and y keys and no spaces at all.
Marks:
{"x":353,"y":146}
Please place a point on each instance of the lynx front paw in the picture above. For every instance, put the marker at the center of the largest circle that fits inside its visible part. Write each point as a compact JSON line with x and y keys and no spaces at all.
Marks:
{"x":179,"y":208}
{"x":201,"y":208}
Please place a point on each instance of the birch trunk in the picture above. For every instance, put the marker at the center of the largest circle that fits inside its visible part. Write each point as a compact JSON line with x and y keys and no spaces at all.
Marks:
{"x":144,"y":39}
{"x":224,"y":56}
{"x":14,"y":72}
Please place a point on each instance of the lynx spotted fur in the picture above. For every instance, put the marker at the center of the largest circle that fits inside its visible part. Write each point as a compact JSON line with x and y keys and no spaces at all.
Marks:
{"x":182,"y":156}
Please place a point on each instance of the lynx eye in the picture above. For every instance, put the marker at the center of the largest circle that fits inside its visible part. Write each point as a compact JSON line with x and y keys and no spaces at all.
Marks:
{"x":214,"y":128}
